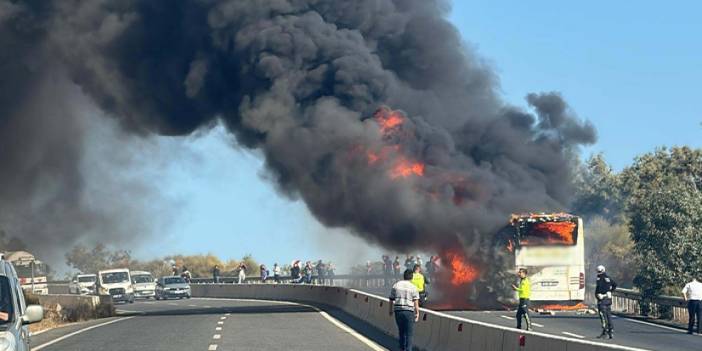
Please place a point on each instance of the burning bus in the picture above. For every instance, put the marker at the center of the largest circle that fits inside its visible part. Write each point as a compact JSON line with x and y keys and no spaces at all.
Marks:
{"x":552,"y":248}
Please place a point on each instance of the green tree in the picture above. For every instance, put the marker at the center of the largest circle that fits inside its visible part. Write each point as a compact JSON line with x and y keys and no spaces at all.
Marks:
{"x":610,"y":244}
{"x":664,"y":206}
{"x":597,"y":190}
{"x":87,"y":260}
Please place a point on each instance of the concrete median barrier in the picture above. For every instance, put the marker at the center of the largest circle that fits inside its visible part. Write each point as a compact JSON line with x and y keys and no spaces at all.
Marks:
{"x":433,"y":331}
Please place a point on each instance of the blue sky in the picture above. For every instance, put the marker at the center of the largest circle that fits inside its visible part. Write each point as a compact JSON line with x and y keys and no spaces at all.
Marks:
{"x":634,"y":70}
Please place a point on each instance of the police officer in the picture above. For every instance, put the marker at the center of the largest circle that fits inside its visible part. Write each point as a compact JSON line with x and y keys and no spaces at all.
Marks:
{"x":603,"y":293}
{"x":524,"y":291}
{"x":692,"y":292}
{"x":420,"y":282}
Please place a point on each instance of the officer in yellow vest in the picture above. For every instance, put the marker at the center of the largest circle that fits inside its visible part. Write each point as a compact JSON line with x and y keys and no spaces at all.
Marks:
{"x":524,"y":291}
{"x":419,"y":281}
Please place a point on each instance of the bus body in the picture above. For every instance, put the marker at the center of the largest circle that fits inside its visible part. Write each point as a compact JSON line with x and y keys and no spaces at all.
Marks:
{"x":31,"y":272}
{"x":551,"y":247}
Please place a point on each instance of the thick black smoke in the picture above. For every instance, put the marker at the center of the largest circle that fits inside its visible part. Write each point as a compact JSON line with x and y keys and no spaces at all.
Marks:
{"x":300,"y":80}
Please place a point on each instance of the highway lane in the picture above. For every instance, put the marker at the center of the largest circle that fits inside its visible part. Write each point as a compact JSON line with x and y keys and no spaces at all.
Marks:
{"x":210,"y":324}
{"x":627,"y":332}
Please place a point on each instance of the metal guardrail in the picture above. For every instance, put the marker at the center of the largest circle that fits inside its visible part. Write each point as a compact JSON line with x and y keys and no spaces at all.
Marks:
{"x":662,"y":307}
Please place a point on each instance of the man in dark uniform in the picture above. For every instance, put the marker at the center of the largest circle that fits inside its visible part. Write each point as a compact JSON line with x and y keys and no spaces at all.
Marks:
{"x":603,"y":293}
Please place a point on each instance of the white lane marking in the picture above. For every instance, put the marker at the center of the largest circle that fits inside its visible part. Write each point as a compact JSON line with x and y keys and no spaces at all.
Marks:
{"x":173,"y":304}
{"x":656,"y":325}
{"x":220,"y":322}
{"x":222,"y":318}
{"x":213,"y":347}
{"x":537,"y":324}
{"x":218,"y":328}
{"x":217,"y":336}
{"x":337,"y":323}
{"x":227,"y":314}
{"x":507,"y":317}
{"x":207,"y":306}
{"x":574,"y":335}
{"x":192,"y":305}
{"x":37,"y":348}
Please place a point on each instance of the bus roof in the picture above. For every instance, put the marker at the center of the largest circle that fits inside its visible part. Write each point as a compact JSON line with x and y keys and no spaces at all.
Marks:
{"x":542,"y":217}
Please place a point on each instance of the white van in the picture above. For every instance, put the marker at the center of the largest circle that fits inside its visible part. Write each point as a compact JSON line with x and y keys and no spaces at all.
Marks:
{"x":144,"y":285}
{"x":116,"y":283}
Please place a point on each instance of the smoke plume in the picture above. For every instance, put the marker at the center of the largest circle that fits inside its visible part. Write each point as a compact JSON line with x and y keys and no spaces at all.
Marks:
{"x":301,"y":80}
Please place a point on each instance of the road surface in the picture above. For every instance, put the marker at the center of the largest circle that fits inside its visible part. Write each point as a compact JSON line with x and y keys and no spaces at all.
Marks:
{"x":214,"y":324}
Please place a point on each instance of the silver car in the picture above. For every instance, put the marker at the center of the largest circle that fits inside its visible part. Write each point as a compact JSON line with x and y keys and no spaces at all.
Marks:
{"x":172,"y":287}
{"x":15,"y":315}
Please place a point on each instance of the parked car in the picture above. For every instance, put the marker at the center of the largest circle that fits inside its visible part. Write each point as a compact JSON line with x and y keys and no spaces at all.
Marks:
{"x":116,"y":283}
{"x":144,"y":285}
{"x":172,"y":287}
{"x":15,"y":315}
{"x":83,"y":284}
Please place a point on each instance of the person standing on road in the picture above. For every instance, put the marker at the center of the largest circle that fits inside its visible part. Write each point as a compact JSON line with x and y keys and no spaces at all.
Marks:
{"x":603,"y":292}
{"x":215,"y":274}
{"x":276,"y":272}
{"x":308,"y":272}
{"x":419,"y":282}
{"x":692,"y":293}
{"x":264,"y":273}
{"x":321,"y":272}
{"x":396,"y":267}
{"x":387,"y":271}
{"x":242,"y":273}
{"x":524,"y":292}
{"x":404,"y":303}
{"x":186,"y":275}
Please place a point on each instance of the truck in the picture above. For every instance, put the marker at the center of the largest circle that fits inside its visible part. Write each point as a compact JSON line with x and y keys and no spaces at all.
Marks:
{"x":32,"y":273}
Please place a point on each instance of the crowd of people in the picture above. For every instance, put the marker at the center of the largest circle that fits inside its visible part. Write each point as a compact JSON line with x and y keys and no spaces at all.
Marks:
{"x":310,"y":273}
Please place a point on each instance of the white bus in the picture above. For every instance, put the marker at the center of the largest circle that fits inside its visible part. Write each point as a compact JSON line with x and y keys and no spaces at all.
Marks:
{"x":552,"y":248}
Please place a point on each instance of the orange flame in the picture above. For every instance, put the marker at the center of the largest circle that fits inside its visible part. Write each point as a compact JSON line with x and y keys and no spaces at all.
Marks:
{"x":461,"y":271}
{"x":562,"y":230}
{"x":387,"y":120}
{"x":404,"y":169}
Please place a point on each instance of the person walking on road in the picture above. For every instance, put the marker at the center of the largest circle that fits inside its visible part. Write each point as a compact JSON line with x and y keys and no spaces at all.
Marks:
{"x":524,"y":292}
{"x":215,"y":274}
{"x":242,"y":273}
{"x":692,"y":293}
{"x":276,"y":272}
{"x":603,"y":292}
{"x":404,"y":303}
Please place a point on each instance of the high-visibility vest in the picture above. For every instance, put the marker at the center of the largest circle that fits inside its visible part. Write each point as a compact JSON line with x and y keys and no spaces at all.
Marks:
{"x":418,"y":281}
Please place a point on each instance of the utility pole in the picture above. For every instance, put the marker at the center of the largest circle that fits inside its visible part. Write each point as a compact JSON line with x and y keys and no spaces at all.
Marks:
{"x":31,"y":265}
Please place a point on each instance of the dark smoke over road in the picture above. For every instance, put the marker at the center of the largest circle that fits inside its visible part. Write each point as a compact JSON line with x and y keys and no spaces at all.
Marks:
{"x":300,"y":80}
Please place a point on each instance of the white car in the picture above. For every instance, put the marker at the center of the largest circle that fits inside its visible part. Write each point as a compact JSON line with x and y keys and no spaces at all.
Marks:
{"x":144,"y":285}
{"x":14,"y":334}
{"x":116,"y":283}
{"x":82,"y":284}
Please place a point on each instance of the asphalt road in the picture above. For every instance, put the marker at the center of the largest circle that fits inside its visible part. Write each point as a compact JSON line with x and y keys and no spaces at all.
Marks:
{"x":214,"y":324}
{"x":627,"y":332}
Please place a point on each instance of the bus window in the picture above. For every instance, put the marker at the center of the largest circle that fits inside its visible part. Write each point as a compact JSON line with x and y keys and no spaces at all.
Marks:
{"x":548,"y":233}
